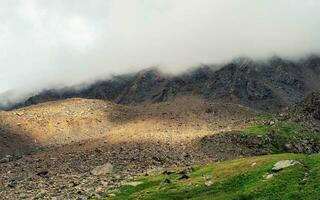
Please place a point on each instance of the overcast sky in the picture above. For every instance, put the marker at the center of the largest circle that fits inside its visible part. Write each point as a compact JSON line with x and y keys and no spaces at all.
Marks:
{"x":63,"y":42}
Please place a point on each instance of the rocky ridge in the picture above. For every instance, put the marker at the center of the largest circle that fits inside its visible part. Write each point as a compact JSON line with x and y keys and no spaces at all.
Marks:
{"x":268,"y":85}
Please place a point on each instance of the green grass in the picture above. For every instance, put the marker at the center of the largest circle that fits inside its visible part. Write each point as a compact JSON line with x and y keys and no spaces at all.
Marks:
{"x":276,"y":136}
{"x":234,"y":180}
{"x":258,"y":129}
{"x":291,"y":130}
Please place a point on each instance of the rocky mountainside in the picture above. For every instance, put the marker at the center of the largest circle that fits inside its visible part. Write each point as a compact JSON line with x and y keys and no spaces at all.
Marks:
{"x":81,"y":148}
{"x":267,"y":85}
{"x":61,"y":143}
{"x":307,"y":111}
{"x":92,"y":147}
{"x":62,"y":122}
{"x":295,"y":130}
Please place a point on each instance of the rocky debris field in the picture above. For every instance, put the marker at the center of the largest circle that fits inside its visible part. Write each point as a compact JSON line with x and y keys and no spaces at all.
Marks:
{"x":64,"y":174}
{"x":79,"y":148}
{"x":124,"y":143}
{"x":294,"y":130}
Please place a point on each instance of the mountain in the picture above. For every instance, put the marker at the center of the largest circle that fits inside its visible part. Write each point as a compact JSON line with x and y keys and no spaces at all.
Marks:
{"x":156,"y":136}
{"x":268,"y":85}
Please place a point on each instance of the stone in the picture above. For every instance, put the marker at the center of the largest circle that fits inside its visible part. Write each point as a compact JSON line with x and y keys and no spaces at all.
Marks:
{"x":82,"y":197}
{"x":102,"y":170}
{"x":43,"y":173}
{"x":284,"y":164}
{"x":184,"y":176}
{"x":166,"y":181}
{"x":267,"y":176}
{"x":288,"y":147}
{"x":134,"y":184}
{"x":23,"y":196}
{"x":4,"y":160}
{"x":207,"y":177}
{"x":167,"y":172}
{"x":155,"y":171}
{"x":208,"y":183}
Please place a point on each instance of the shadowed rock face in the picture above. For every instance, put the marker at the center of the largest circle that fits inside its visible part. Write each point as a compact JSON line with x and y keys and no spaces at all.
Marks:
{"x":264,"y":86}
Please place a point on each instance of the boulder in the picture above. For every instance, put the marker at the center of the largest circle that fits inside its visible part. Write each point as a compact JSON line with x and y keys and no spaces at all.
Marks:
{"x":133,"y":184}
{"x":208,"y":183}
{"x":4,"y":160}
{"x":102,"y":170}
{"x":267,"y":176}
{"x":284,"y":164}
{"x":43,"y":173}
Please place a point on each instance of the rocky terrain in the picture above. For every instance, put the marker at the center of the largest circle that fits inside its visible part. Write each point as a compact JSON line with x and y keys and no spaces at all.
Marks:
{"x":95,"y":142}
{"x":294,"y":130}
{"x":67,"y":139}
{"x":267,"y":85}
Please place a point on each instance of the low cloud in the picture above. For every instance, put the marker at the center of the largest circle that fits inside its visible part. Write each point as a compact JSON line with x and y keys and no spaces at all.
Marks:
{"x":47,"y":43}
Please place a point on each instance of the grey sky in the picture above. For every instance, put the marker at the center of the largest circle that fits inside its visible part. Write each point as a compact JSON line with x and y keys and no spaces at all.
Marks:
{"x":46,"y":43}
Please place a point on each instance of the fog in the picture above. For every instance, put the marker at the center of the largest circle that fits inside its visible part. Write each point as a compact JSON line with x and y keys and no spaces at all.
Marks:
{"x":47,"y":43}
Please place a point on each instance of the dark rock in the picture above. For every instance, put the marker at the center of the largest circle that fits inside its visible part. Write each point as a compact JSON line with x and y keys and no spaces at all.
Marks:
{"x":12,"y":184}
{"x":166,"y":172}
{"x":184,"y":177}
{"x":209,"y":110}
{"x":4,"y":160}
{"x":166,"y":181}
{"x":43,"y":173}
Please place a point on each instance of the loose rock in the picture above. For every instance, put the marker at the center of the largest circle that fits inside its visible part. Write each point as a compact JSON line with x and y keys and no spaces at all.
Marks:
{"x":208,"y":183}
{"x":284,"y":164}
{"x":102,"y":170}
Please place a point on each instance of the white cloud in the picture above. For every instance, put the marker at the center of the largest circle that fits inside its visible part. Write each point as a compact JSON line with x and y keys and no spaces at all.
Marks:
{"x":46,"y":43}
{"x":79,"y":33}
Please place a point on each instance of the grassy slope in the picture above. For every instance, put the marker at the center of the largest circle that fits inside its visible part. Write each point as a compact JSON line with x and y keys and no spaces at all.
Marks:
{"x":237,"y":179}
{"x":284,"y":131}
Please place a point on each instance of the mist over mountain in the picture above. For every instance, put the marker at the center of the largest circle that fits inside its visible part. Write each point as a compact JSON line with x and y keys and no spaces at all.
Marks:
{"x":55,"y":44}
{"x":159,"y":99}
{"x":264,"y":85}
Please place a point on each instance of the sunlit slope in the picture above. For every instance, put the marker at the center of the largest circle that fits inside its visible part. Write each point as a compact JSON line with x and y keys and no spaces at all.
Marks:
{"x":72,"y":120}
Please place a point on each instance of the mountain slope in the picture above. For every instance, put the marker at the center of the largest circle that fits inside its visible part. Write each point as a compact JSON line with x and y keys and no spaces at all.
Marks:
{"x":294,"y":130}
{"x":74,"y":120}
{"x":249,"y":178}
{"x":69,"y":138}
{"x":260,"y":85}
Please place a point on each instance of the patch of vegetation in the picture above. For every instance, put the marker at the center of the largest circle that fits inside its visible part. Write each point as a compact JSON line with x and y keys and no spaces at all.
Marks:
{"x":234,"y":180}
{"x":286,"y":136}
{"x":258,"y":129}
{"x":291,"y":130}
